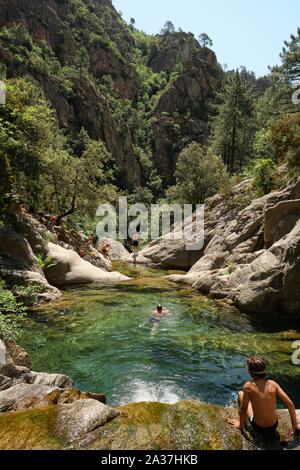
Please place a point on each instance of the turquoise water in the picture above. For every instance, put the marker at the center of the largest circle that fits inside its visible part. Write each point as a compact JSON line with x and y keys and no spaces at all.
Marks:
{"x":102,"y":338}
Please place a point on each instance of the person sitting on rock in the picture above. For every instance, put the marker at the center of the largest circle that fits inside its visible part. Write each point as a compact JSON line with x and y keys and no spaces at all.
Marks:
{"x":51,"y":223}
{"x":82,"y":253}
{"x":105,"y":250}
{"x":257,"y":401}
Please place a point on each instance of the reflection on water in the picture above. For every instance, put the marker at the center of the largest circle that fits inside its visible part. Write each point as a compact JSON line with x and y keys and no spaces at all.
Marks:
{"x":102,"y":338}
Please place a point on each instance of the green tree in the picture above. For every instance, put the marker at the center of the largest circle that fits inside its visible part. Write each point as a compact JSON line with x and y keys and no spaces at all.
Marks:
{"x":26,"y":132}
{"x":71,"y":184}
{"x":6,"y":178}
{"x":277,"y":99}
{"x":264,"y":180}
{"x":205,"y":40}
{"x":290,"y":57}
{"x":285,"y":139}
{"x":198,"y":176}
{"x":234,"y":126}
{"x":82,"y":60}
{"x":262,"y":144}
{"x":168,"y":27}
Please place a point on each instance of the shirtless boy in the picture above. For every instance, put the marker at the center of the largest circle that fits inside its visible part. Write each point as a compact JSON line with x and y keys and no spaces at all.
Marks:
{"x":257,"y":401}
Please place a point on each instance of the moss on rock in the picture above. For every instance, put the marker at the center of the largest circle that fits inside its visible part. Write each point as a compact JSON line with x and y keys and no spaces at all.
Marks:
{"x":29,"y":430}
{"x":159,"y":426}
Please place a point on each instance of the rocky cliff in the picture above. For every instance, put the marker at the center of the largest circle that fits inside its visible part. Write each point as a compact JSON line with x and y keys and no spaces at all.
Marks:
{"x":83,"y":56}
{"x":66,"y":26}
{"x":181,"y":114}
{"x":250,"y":256}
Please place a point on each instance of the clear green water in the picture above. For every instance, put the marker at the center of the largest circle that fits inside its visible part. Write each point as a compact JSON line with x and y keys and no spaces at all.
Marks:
{"x":101,"y":337}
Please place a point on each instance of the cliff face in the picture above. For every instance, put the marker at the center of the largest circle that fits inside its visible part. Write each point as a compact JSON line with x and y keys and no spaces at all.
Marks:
{"x":251,"y":250}
{"x":83,"y":56}
{"x":181,"y":114}
{"x":54,"y":22}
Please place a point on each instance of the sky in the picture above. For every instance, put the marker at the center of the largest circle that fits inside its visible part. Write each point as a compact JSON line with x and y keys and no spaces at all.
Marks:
{"x":249,"y":33}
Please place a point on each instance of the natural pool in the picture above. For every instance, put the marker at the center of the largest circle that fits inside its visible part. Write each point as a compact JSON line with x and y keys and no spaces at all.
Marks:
{"x":100,"y":336}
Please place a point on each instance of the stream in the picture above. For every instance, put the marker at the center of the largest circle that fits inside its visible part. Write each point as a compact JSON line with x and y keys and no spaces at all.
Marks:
{"x":101,"y":337}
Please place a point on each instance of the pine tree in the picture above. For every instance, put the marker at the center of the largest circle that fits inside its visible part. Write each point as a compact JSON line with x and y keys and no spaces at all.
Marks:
{"x":168,"y":27}
{"x":290,"y":57}
{"x":233,"y":127}
{"x":205,"y":40}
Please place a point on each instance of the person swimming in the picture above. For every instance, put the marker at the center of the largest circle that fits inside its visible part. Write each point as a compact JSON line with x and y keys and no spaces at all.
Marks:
{"x":158,"y":314}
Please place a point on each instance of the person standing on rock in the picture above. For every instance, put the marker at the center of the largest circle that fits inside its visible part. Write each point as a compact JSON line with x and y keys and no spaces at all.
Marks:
{"x":135,"y":243}
{"x":91,"y":240}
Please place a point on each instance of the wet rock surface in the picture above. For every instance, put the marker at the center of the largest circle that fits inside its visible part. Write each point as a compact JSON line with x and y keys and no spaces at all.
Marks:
{"x":87,"y":424}
{"x":37,"y":413}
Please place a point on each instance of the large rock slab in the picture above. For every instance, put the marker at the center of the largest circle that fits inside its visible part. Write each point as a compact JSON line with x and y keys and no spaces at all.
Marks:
{"x":139,"y":426}
{"x":280,"y":220}
{"x":76,"y":419}
{"x":158,"y":426}
{"x":87,"y":424}
{"x":18,"y":264}
{"x":23,"y":395}
{"x":52,"y":380}
{"x":20,"y":277}
{"x":17,"y":252}
{"x":267,"y":285}
{"x":16,"y":368}
{"x":70,"y":269}
{"x":117,"y":250}
{"x":171,"y":250}
{"x":251,"y":255}
{"x":18,"y":355}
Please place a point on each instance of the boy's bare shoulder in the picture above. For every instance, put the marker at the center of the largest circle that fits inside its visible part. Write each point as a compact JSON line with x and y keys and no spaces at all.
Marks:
{"x":273,"y":383}
{"x":248,"y":386}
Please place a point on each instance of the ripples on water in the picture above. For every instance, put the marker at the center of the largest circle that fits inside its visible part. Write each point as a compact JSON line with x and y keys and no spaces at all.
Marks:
{"x":102,"y":338}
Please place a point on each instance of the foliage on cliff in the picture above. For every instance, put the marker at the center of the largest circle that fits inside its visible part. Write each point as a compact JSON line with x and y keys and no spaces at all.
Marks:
{"x":74,"y":68}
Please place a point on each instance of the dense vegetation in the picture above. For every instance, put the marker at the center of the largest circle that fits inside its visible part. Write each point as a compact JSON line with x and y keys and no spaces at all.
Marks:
{"x":253,"y":124}
{"x":164,"y":105}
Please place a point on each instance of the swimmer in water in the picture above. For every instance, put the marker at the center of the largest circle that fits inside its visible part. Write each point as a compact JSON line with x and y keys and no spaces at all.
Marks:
{"x":158,"y":314}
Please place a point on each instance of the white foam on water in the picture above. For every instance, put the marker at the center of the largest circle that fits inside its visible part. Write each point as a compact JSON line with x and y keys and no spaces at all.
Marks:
{"x":143,"y":391}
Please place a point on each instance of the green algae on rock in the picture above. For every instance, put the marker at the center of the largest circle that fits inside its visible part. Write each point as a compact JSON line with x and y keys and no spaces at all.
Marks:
{"x":159,"y":426}
{"x":146,"y":425}
{"x":185,"y":425}
{"x":29,"y":430}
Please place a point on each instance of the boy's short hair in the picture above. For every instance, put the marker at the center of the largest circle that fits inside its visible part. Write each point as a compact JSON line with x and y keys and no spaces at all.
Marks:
{"x":257,"y":366}
{"x":159,"y":307}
